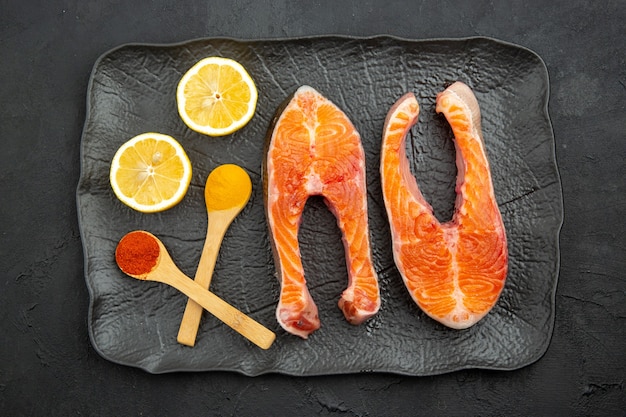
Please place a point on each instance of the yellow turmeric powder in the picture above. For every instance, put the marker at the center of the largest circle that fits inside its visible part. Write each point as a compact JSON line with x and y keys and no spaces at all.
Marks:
{"x":228,"y":186}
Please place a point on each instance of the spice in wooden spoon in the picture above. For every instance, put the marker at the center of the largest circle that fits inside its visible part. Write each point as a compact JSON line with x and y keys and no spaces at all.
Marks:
{"x":143,"y":256}
{"x":226,"y":193}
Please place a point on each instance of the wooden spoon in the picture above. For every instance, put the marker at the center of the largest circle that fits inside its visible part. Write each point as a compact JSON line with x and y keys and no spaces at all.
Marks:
{"x":226,"y":193}
{"x":158,"y":266}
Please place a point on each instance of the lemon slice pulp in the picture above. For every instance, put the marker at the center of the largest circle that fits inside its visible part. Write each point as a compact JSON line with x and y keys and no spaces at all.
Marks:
{"x":216,"y":96}
{"x":150,"y":173}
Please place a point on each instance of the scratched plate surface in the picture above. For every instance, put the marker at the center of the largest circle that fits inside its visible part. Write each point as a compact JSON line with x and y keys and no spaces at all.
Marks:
{"x":132,"y":90}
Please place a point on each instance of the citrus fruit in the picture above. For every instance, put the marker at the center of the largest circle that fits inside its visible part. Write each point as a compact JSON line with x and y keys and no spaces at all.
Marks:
{"x":216,"y":96}
{"x":151,"y":172}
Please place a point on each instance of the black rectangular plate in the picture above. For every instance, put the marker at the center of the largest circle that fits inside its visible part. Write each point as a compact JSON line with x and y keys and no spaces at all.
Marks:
{"x":132,"y":91}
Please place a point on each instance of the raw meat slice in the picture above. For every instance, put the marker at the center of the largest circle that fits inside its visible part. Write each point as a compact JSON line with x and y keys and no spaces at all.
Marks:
{"x":313,"y":149}
{"x":454,"y":271}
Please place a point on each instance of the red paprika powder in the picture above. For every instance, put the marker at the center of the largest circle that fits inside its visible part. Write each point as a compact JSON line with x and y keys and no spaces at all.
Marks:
{"x":137,"y":253}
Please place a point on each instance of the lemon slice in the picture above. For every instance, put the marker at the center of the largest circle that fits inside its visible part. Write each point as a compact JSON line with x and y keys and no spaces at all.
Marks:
{"x":151,"y":172}
{"x":216,"y":96}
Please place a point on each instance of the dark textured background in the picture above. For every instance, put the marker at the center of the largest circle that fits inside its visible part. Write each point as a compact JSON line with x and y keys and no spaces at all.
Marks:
{"x":47,"y":364}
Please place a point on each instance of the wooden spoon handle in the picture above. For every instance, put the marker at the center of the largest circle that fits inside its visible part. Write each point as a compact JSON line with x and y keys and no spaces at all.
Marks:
{"x":244,"y":325}
{"x":216,"y":229}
